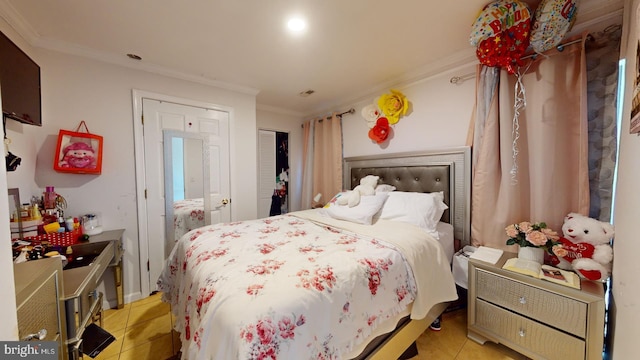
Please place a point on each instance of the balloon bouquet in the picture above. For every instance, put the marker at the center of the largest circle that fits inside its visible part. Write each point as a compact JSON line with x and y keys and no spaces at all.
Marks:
{"x":503,"y":32}
{"x":552,"y":21}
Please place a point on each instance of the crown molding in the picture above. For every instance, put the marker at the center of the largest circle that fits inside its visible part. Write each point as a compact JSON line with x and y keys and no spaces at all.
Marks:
{"x":123,"y":60}
{"x":596,"y":8}
{"x":279,"y":110}
{"x":460,"y":59}
{"x":593,"y":14}
{"x":18,"y":22}
{"x":27,"y":32}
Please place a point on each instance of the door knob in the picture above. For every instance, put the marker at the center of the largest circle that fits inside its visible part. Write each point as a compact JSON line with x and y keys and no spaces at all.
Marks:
{"x":226,"y":201}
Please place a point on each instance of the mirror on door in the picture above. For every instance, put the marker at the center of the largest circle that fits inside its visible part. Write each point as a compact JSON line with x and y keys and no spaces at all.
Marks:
{"x":186,"y":173}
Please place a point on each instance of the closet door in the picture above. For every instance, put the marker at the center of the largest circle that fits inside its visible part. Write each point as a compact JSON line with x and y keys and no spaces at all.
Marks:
{"x":266,"y":171}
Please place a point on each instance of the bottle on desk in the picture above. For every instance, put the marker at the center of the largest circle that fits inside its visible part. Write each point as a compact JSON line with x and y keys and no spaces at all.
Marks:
{"x":25,"y":213}
{"x":50,"y":198}
{"x":69,"y":253}
{"x":35,"y":212}
{"x":68,"y":224}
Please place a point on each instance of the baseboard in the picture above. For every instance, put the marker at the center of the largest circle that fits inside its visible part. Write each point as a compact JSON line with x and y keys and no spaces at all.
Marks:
{"x":113,"y":303}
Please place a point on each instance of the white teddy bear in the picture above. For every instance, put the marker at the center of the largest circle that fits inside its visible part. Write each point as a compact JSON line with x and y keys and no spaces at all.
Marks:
{"x":367,"y":187}
{"x":585,"y":247}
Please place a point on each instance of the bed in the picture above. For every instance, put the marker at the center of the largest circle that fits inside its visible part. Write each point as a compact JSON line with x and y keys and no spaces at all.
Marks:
{"x":308,"y":285}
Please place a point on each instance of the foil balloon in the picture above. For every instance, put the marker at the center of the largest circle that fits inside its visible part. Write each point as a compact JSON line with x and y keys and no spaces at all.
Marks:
{"x":501,"y":34}
{"x":552,"y":20}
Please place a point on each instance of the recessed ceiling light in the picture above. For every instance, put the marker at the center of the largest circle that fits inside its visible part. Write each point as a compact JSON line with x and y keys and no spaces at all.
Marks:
{"x":297,"y":24}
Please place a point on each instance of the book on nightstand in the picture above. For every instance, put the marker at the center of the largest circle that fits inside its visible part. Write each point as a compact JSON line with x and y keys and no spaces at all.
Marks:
{"x":544,"y":272}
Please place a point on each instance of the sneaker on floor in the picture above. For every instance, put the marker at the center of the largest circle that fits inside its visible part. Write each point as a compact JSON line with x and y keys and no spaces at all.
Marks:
{"x":435,"y":325}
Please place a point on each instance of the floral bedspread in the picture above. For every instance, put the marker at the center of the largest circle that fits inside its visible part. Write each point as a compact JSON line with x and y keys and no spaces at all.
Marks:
{"x":283,"y":287}
{"x":188,"y":214}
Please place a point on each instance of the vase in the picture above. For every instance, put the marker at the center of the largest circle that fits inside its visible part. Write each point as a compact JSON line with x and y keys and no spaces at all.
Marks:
{"x":531,"y":253}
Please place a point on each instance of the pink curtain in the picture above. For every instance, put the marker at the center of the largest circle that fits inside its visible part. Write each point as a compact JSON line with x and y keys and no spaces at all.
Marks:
{"x":324,"y":149}
{"x":307,"y":165}
{"x":550,"y":178}
{"x":327,"y":157}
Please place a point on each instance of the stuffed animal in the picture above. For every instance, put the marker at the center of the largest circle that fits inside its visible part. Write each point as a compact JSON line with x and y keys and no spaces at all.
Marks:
{"x":367,"y":187}
{"x":78,"y":155}
{"x":585,"y":247}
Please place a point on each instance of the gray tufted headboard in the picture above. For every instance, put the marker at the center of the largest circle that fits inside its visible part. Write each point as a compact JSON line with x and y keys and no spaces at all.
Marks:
{"x":411,"y":179}
{"x":446,"y":170}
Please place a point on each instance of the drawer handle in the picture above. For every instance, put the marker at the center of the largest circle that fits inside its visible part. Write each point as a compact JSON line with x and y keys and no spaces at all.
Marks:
{"x":522,"y":300}
{"x":522,"y":333}
{"x":40,"y":335}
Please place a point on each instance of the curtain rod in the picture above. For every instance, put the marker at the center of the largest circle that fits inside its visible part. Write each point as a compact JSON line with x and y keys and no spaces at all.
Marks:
{"x":560,"y":47}
{"x":350,"y":111}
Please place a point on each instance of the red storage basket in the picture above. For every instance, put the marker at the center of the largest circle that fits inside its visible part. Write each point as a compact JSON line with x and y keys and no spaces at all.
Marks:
{"x":58,"y":239}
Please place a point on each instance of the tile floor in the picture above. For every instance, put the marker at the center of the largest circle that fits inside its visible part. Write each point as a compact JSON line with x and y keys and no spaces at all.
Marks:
{"x":143,"y":330}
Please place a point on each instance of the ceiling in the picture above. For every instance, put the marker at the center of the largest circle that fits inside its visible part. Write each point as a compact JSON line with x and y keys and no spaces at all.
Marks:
{"x":351,"y":49}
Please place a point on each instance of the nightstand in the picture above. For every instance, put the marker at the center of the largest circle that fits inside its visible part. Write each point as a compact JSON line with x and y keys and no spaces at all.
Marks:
{"x":536,"y":318}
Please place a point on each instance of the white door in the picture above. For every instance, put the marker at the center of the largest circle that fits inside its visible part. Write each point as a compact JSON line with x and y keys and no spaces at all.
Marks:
{"x":161,"y":115}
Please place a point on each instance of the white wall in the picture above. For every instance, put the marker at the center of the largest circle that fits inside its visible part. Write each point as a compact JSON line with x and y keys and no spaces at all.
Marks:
{"x":626,"y":267}
{"x":439,"y":117}
{"x":7,"y":298}
{"x":277,"y":120}
{"x":75,"y":89}
{"x":9,"y":328}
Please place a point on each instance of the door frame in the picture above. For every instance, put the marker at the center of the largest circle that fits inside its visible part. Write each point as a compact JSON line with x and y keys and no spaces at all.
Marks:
{"x":138,"y":133}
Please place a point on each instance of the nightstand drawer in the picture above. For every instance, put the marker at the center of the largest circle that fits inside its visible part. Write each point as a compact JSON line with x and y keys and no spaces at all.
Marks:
{"x":544,"y":341}
{"x":555,"y":310}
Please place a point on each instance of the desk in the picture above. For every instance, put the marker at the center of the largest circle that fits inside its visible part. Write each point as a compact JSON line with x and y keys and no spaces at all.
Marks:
{"x":114,"y":236}
{"x":39,"y":303}
{"x":83,"y":303}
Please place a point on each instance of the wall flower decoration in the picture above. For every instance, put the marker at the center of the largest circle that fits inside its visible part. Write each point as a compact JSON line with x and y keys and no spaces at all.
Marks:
{"x":380,"y":131}
{"x":386,"y":110}
{"x":393,"y":105}
{"x":371,"y":113}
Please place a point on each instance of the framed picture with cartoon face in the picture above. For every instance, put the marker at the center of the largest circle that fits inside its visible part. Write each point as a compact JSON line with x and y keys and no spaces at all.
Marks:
{"x":78,"y":153}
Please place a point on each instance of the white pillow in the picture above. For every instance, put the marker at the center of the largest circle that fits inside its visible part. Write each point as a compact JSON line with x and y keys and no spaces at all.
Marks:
{"x":362,"y":213}
{"x":421,"y":209}
{"x":385,"y":188}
